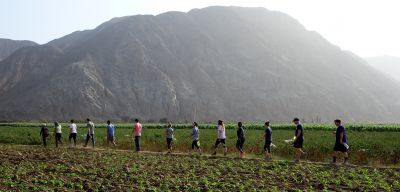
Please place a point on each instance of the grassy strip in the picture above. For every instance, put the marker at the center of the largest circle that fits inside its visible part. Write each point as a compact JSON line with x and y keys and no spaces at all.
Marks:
{"x":255,"y":126}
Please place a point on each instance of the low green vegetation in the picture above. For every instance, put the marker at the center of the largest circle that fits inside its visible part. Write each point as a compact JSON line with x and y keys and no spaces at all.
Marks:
{"x":366,"y":147}
{"x":32,"y":168}
{"x":252,"y":126}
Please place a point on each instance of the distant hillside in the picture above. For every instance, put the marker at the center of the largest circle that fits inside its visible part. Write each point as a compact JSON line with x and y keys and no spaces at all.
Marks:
{"x":8,"y":46}
{"x":387,"y":64}
{"x":228,"y":63}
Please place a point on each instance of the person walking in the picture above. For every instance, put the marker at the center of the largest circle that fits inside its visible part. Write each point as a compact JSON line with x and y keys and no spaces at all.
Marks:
{"x":240,"y":139}
{"x":137,"y":132}
{"x":44,"y":132}
{"x":57,"y":131}
{"x":298,"y":139}
{"x":110,"y":133}
{"x":73,"y":131}
{"x":170,"y":136}
{"x":268,"y":141}
{"x":221,"y":138}
{"x":195,"y":137}
{"x":341,"y":142}
{"x":90,"y":132}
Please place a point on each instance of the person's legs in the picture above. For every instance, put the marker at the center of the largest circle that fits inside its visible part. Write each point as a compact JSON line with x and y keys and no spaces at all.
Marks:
{"x":92,"y":136}
{"x":225,"y":147}
{"x":137,"y":143}
{"x":87,"y":140}
{"x":168,"y":144}
{"x":346,"y":157}
{"x":193,"y":144}
{"x":70,"y":138}
{"x":56,"y":138}
{"x":74,"y":137}
{"x":334,"y":156}
{"x":217,"y":142}
{"x":267,"y":149}
{"x":113,"y":141}
{"x":241,"y":143}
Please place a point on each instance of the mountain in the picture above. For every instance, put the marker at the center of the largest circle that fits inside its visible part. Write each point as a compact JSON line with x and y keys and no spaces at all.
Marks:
{"x":387,"y":64}
{"x":228,"y":63}
{"x":8,"y":46}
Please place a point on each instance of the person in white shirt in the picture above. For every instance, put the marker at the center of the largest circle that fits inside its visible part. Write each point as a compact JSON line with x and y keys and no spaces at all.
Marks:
{"x":221,"y":138}
{"x":72,"y":132}
{"x":57,"y":130}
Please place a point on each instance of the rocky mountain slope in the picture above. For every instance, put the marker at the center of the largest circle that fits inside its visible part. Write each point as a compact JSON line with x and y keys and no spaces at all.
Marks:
{"x":214,"y":63}
{"x":8,"y":46}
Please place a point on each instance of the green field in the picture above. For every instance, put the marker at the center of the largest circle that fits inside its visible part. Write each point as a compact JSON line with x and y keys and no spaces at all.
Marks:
{"x":28,"y":166}
{"x":367,"y":146}
{"x":32,"y":168}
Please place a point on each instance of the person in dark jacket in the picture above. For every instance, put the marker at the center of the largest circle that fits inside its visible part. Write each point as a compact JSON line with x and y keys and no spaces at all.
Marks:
{"x":240,"y":139}
{"x":298,"y":139}
{"x":268,"y":141}
{"x":44,"y":132}
{"x":341,"y":142}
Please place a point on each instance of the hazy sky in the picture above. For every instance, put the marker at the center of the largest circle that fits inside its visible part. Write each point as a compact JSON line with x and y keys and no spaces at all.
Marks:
{"x":365,"y":27}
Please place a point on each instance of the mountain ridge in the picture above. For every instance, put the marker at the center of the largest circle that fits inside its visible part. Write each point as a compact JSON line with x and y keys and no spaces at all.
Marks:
{"x":228,"y":63}
{"x":8,"y":46}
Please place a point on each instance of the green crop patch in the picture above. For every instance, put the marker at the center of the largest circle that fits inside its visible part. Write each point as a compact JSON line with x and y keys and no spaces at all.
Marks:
{"x":29,"y":168}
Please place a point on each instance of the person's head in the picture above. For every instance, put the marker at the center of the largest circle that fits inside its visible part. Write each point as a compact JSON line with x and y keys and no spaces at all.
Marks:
{"x":266,"y":124}
{"x":338,"y":122}
{"x":169,"y":125}
{"x":108,"y":122}
{"x":195,"y":124}
{"x":87,"y":119}
{"x":296,"y":121}
{"x":240,"y":124}
{"x":72,"y":121}
{"x":137,"y":120}
{"x":44,"y":125}
{"x":220,"y":122}
{"x":56,"y":123}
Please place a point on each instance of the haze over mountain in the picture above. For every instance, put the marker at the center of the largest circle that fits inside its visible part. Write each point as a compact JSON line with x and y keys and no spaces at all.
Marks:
{"x":8,"y":46}
{"x":387,"y":64}
{"x":214,"y":63}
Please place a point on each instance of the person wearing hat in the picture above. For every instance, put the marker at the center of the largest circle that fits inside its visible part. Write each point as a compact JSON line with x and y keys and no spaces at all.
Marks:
{"x":298,"y":139}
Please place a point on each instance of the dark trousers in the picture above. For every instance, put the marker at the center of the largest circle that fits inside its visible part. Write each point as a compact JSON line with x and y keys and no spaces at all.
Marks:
{"x":137,"y":143}
{"x":58,"y":139}
{"x":44,"y":141}
{"x":89,"y":136}
{"x":195,"y":143}
{"x":72,"y":136}
{"x":218,"y":142}
{"x":239,"y":145}
{"x":267,"y":146}
{"x":169,"y":143}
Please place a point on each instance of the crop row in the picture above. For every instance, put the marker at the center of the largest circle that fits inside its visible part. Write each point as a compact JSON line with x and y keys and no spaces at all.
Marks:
{"x":33,"y":168}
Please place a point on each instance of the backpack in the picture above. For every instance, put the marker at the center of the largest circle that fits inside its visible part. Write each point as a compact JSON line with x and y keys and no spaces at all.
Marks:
{"x":45,"y":132}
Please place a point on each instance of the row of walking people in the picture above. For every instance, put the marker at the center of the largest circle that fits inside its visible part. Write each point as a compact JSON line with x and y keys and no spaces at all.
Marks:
{"x":298,"y":139}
